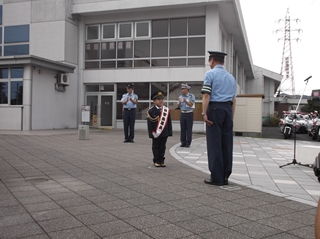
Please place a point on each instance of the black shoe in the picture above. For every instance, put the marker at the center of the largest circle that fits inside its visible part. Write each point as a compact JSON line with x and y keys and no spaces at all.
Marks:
{"x":126,"y":141}
{"x":182,"y":145}
{"x":187,"y":145}
{"x":209,"y":181}
{"x":131,"y":141}
{"x":226,"y":182}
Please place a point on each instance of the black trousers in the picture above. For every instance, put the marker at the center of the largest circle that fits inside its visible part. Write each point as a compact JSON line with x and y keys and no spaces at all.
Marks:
{"x":220,"y":141}
{"x":129,"y":118}
{"x":186,"y":124}
{"x":159,"y":149}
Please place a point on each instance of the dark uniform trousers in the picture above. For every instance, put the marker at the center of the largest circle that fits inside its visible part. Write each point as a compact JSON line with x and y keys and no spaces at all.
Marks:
{"x":159,"y":149}
{"x":220,"y":140}
{"x":129,"y":118}
{"x":186,"y":124}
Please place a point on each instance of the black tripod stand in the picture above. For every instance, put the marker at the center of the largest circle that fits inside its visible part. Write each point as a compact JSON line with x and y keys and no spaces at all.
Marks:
{"x":294,"y":160}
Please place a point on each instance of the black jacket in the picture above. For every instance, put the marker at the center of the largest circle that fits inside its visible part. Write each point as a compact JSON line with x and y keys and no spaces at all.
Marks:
{"x":153,"y":118}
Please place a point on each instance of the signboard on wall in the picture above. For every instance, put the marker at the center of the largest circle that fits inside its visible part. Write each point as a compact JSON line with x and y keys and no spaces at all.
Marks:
{"x":85,"y":113}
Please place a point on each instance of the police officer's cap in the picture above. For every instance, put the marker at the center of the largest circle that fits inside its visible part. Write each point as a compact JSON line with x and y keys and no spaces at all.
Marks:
{"x":185,"y":86}
{"x":217,"y":53}
{"x":130,"y":85}
{"x":157,"y":95}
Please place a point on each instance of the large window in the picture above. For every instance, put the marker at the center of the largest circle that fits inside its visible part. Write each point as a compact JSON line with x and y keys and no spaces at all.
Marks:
{"x":15,"y":40}
{"x":11,"y":86}
{"x":158,"y":43}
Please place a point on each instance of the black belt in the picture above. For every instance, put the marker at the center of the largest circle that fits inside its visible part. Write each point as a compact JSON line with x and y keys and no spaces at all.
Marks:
{"x":225,"y":102}
{"x":129,"y":108}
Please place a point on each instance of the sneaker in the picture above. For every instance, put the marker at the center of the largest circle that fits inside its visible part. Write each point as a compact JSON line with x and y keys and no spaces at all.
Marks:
{"x":163,"y":164}
{"x":157,"y":165}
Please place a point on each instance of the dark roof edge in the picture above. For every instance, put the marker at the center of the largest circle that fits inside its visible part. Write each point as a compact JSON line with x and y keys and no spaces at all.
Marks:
{"x":37,"y":62}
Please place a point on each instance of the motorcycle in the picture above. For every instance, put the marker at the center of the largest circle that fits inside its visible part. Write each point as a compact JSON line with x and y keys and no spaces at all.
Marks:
{"x":290,"y":125}
{"x":315,"y":132}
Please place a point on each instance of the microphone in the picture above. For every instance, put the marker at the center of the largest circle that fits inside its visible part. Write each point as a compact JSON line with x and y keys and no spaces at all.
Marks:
{"x":308,"y":78}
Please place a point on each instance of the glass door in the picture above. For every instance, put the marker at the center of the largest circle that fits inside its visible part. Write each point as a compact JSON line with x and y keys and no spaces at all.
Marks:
{"x":106,"y":110}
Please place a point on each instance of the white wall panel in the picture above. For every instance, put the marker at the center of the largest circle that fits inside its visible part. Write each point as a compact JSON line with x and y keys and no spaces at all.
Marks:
{"x":71,"y":43}
{"x":52,"y":109}
{"x":10,"y":118}
{"x":16,"y":13}
{"x":145,"y":75}
{"x":47,"y":40}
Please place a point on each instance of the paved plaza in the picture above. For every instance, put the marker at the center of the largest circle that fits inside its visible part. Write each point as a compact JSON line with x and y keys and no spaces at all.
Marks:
{"x":54,"y":185}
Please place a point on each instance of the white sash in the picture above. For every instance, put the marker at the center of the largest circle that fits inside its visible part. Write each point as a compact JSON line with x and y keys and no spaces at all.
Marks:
{"x":162,"y":121}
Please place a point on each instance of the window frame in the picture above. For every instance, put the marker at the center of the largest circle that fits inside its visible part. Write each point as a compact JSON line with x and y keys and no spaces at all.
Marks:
{"x":115,"y":31}
{"x":95,"y":25}
{"x":119,"y":26}
{"x":135,"y":29}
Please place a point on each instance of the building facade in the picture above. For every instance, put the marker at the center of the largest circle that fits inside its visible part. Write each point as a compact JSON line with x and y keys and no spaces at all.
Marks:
{"x":99,"y":46}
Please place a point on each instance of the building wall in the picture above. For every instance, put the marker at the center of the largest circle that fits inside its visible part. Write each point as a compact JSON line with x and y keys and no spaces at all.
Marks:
{"x":52,"y":109}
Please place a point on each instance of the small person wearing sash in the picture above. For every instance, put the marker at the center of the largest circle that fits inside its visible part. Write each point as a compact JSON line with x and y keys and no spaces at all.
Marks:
{"x":159,"y":127}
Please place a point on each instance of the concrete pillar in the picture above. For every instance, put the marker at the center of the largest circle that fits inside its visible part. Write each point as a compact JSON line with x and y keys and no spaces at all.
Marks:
{"x":213,"y":34}
{"x":27,"y":98}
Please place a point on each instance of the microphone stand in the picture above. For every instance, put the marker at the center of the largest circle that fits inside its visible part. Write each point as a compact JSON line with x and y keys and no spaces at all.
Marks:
{"x":294,"y":160}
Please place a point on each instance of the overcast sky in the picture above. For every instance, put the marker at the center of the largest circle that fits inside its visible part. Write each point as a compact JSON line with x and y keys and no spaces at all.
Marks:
{"x":261,"y":16}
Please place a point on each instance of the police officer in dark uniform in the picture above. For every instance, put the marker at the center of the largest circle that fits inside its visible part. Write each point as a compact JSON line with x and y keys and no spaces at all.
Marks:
{"x":186,"y":104}
{"x":129,"y":103}
{"x":218,"y":107}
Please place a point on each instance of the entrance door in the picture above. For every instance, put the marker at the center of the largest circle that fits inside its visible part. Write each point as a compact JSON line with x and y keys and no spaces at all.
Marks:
{"x":106,"y":110}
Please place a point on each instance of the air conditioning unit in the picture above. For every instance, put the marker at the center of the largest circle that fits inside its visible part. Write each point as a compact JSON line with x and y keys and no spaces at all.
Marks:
{"x":63,"y":79}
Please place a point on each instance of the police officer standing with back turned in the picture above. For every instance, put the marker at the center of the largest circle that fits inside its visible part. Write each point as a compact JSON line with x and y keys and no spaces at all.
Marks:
{"x":218,"y":107}
{"x":186,"y":104}
{"x":129,"y":104}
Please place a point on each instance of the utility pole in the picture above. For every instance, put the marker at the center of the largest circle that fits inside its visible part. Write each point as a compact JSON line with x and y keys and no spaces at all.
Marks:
{"x":287,"y":84}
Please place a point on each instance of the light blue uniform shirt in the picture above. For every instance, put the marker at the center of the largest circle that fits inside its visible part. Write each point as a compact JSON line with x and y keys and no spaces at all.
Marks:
{"x":189,"y":97}
{"x":219,"y":84}
{"x":129,"y":104}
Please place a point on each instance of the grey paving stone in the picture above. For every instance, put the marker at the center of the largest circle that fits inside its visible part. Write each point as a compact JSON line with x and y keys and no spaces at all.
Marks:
{"x":253,"y":214}
{"x":177,"y":216}
{"x":36,"y":199}
{"x":74,"y":201}
{"x":203,"y":211}
{"x":111,"y":228}
{"x":83,"y":209}
{"x":275,"y":209}
{"x":280,"y":223}
{"x":131,"y":235}
{"x":59,"y":224}
{"x":184,"y":203}
{"x":224,"y":233}
{"x":129,"y":212}
{"x":283,"y":236}
{"x":74,"y":233}
{"x":158,"y":208}
{"x":96,"y":218}
{"x":115,"y":204}
{"x":49,"y":214}
{"x":304,"y":218}
{"x":28,"y":229}
{"x":146,"y":221}
{"x":144,"y":200}
{"x":255,"y":230}
{"x":12,"y":210}
{"x":199,"y":225}
{"x":304,"y":232}
{"x":40,"y":236}
{"x":15,"y":220}
{"x":167,"y":231}
{"x":227,"y":219}
{"x":41,"y":206}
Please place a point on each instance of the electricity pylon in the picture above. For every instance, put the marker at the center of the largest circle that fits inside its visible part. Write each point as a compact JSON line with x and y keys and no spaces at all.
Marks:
{"x":287,"y":84}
